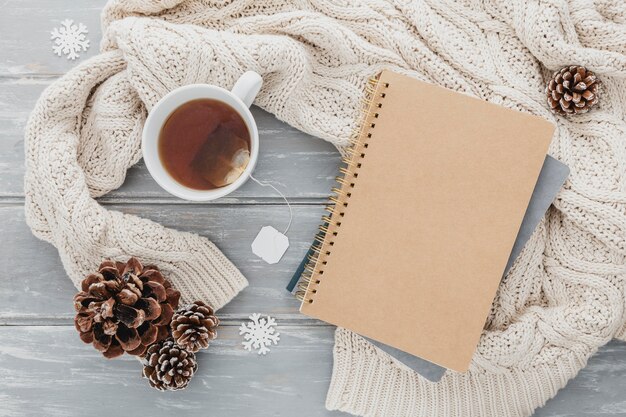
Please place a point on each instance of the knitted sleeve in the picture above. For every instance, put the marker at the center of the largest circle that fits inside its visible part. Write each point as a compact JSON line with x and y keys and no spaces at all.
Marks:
{"x":82,"y":136}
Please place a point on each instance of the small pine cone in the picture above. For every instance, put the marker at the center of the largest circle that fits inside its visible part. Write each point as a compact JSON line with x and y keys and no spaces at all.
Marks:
{"x":572,"y":90}
{"x":168,"y":367}
{"x":193,"y":326}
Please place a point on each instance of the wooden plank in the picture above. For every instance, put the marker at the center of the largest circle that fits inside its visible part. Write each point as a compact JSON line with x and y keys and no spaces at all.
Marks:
{"x":301,"y":166}
{"x":598,"y":390}
{"x":37,"y":289}
{"x":25,"y":44}
{"x":48,"y":371}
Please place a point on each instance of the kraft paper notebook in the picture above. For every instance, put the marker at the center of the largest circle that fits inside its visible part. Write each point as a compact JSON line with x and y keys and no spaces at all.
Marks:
{"x":551,"y":179}
{"x":421,"y":228}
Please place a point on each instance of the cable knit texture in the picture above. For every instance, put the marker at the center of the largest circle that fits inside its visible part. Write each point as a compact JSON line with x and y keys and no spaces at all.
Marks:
{"x":564,"y":297}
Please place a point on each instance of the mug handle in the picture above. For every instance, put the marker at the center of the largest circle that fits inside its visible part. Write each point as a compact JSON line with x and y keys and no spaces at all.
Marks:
{"x":247,"y":87}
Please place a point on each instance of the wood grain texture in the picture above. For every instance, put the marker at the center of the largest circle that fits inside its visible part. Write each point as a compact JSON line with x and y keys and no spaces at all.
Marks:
{"x":47,"y":371}
{"x":38,"y":280}
{"x":25,"y":26}
{"x":44,"y":368}
{"x":301,"y":166}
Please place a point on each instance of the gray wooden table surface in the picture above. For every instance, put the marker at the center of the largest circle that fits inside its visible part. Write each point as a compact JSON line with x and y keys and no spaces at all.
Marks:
{"x":44,"y":368}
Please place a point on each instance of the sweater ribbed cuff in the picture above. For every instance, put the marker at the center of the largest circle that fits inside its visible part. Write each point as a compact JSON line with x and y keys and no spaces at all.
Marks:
{"x":365,"y":382}
{"x":193,"y":264}
{"x":368,"y":382}
{"x":212,"y":277}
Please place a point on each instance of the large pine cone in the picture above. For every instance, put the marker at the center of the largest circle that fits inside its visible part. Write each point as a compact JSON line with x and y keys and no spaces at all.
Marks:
{"x":124,"y":307}
{"x":572,"y":90}
{"x":194,"y":326}
{"x":168,"y":366}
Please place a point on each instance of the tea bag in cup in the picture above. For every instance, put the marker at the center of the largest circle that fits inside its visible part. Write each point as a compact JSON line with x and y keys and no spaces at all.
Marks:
{"x":223,"y":157}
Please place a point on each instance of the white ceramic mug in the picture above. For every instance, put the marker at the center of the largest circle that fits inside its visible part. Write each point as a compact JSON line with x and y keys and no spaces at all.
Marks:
{"x":239,"y":98}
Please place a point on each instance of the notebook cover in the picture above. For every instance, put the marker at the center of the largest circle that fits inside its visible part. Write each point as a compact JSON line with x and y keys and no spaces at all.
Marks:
{"x":551,"y":179}
{"x":429,"y":226}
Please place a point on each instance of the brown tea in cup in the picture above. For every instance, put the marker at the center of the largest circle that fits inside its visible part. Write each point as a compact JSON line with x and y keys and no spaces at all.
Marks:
{"x":204,"y":144}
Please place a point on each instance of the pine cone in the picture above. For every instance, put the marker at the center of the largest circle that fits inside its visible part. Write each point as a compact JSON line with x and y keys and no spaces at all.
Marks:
{"x":194,"y":326}
{"x":124,"y":308}
{"x":572,"y":90}
{"x":168,"y":366}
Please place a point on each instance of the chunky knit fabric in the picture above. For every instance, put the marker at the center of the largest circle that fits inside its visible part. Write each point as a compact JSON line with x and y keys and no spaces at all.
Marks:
{"x":564,"y":297}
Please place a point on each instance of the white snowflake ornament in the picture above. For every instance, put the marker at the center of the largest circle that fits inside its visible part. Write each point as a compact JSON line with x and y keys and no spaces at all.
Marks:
{"x":259,"y":333}
{"x":70,"y":39}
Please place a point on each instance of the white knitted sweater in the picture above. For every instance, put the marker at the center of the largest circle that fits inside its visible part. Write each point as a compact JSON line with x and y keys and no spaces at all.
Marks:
{"x":564,"y":297}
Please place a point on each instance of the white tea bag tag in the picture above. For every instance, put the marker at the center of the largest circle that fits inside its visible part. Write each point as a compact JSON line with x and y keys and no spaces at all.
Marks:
{"x":270,"y":245}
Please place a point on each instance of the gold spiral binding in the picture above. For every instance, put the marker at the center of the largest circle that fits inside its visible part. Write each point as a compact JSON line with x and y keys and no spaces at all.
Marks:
{"x":315,"y":249}
{"x":351,"y":163}
{"x":343,"y":181}
{"x":337,"y":201}
{"x":352,"y":159}
{"x":347,"y":172}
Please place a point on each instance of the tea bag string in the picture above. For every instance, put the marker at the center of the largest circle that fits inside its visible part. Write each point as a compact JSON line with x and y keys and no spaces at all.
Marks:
{"x":267,"y":184}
